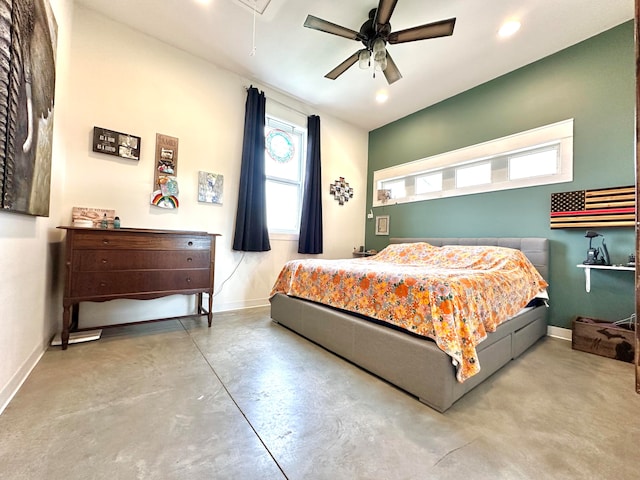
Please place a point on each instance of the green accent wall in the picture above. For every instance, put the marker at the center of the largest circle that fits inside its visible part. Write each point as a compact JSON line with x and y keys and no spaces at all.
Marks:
{"x":592,"y":82}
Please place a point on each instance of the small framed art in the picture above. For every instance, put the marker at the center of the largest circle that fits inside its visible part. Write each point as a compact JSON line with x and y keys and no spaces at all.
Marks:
{"x":382,"y":225}
{"x":210,"y":186}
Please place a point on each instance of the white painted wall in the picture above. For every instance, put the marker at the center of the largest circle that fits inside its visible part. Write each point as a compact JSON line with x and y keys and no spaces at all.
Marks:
{"x":30,"y":299}
{"x":126,"y":81}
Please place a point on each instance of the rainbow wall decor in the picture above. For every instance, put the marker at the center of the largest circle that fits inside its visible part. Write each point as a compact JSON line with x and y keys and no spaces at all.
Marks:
{"x":164,"y":201}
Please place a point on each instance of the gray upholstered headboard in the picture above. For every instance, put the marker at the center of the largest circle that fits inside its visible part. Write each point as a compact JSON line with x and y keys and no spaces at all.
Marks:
{"x":535,"y":248}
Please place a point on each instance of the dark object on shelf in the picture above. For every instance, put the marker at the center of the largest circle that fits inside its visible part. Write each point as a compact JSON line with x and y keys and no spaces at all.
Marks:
{"x":368,"y":253}
{"x":632,"y":261}
{"x":595,"y":255}
{"x":604,"y":338}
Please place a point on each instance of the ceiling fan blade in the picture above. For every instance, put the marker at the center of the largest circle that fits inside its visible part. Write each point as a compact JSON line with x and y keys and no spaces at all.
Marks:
{"x":328,"y":27}
{"x":442,"y":28}
{"x":384,"y":11}
{"x":391,"y":73}
{"x":340,"y":69}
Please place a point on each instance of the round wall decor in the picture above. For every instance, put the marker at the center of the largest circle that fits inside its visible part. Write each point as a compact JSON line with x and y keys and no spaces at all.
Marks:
{"x":279,"y":145}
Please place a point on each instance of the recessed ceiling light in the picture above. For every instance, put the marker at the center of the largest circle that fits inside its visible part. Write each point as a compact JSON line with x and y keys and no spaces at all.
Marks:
{"x":382,"y":96}
{"x":509,"y":28}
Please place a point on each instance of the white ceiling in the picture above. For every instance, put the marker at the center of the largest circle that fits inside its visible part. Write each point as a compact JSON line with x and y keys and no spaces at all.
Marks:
{"x":294,"y":59}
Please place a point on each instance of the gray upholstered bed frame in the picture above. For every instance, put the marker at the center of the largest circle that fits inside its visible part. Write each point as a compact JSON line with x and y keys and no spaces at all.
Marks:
{"x":417,"y":365}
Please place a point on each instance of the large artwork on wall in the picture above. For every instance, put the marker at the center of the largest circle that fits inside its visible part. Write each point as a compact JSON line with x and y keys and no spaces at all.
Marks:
{"x":28,"y":37}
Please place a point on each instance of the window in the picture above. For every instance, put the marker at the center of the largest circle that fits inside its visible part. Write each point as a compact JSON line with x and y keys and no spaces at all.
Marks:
{"x":539,"y":156}
{"x":534,"y":163}
{"x":397,"y":187}
{"x":479,"y":174}
{"x":431,"y":182}
{"x":285,"y":147}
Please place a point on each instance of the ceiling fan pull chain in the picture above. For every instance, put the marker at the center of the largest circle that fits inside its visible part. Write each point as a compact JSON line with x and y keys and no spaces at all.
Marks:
{"x":253,"y":45}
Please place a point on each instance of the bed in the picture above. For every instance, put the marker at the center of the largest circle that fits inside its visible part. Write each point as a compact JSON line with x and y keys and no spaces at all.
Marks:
{"x":412,"y":361}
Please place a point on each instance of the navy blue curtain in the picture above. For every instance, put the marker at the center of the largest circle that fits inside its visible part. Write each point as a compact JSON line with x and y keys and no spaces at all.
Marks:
{"x":251,"y":233}
{"x":310,"y":240}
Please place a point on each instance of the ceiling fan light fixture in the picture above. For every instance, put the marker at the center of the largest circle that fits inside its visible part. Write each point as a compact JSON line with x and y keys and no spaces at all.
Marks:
{"x":380,"y":60}
{"x":364,"y":59}
{"x":378,"y":45}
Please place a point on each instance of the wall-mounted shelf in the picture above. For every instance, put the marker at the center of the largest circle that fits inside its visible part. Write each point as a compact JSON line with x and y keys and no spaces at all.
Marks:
{"x":588,"y":268}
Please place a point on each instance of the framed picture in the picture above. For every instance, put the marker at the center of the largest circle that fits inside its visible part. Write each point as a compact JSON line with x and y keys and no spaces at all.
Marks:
{"x":382,"y":225}
{"x":210,"y":187}
{"x":115,"y":143}
{"x":29,"y":34}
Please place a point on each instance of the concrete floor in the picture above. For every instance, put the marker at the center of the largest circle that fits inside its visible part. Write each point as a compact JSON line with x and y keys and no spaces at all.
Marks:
{"x":248,"y":399}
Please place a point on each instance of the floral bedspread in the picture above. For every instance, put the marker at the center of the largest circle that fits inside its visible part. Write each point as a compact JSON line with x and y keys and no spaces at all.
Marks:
{"x":452,"y":294}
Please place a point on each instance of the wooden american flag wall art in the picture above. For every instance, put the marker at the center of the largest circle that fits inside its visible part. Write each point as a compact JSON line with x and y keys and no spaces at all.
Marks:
{"x":605,"y":207}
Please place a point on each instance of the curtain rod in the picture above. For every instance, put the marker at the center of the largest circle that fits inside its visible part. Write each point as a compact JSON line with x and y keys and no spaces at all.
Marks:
{"x":284,"y":105}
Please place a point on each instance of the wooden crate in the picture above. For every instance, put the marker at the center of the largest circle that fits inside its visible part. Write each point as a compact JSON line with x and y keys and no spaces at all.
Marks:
{"x":603,"y":338}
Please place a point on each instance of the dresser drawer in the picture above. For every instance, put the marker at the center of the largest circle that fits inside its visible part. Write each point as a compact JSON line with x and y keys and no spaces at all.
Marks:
{"x":124,"y":260}
{"x":96,"y":284}
{"x":114,"y":240}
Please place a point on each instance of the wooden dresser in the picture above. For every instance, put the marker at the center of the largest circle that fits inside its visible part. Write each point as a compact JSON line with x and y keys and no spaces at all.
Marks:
{"x":105,"y":264}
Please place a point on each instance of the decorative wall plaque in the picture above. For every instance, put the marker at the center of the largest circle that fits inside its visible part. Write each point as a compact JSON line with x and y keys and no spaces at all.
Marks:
{"x":165,"y":179}
{"x":341,"y":191}
{"x":121,"y":145}
{"x":605,"y":207}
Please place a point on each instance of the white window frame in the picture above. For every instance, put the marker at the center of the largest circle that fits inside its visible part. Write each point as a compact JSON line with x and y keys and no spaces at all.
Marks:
{"x":272,"y":121}
{"x":557,"y":135}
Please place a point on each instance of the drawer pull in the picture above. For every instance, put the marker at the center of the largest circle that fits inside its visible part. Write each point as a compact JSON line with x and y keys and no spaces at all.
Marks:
{"x":105,"y":241}
{"x":104,"y":261}
{"x":103,"y":284}
{"x":188,"y":279}
{"x":189,"y":259}
{"x":190,"y":243}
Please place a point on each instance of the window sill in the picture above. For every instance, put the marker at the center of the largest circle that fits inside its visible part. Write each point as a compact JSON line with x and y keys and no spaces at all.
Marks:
{"x":284,"y":237}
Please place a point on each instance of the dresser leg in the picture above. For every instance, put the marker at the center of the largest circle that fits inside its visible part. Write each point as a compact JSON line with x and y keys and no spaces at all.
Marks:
{"x":75,"y":314}
{"x":66,"y":321}
{"x":209,"y":316}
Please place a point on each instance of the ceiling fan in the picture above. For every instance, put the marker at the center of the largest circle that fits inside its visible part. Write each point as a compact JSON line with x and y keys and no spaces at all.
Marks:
{"x":374,"y":34}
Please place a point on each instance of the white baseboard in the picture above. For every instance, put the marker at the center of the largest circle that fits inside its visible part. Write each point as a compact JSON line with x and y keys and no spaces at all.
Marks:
{"x":10,"y":389}
{"x":561,"y":333}
{"x":227,"y":307}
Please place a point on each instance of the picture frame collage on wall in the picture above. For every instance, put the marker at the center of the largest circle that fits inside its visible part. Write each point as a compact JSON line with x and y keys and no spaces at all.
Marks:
{"x":341,"y":191}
